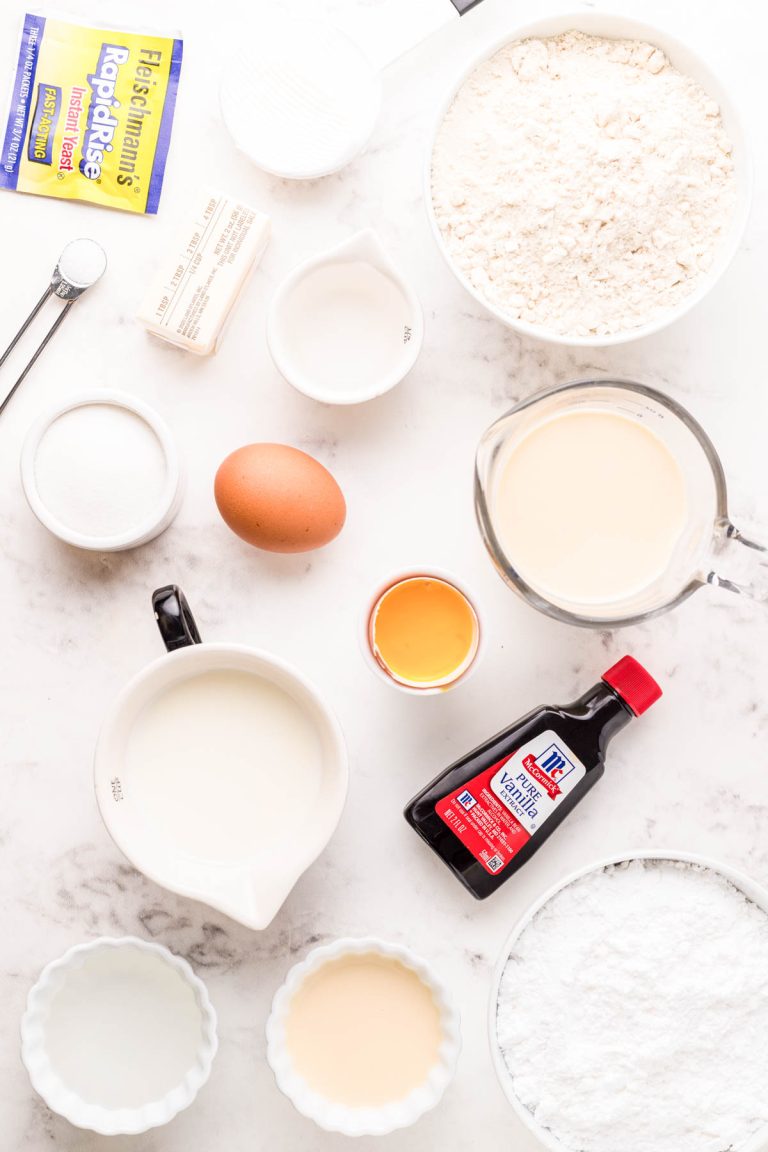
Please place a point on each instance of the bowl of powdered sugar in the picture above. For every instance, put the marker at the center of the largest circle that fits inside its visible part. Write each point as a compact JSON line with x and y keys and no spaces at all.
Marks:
{"x":630,"y":1009}
{"x":589,"y":180}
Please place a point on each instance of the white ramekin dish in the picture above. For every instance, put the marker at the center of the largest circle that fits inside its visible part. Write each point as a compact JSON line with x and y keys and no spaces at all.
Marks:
{"x":751,"y":889}
{"x":334,"y":1117}
{"x":169,"y":499}
{"x":362,"y":248}
{"x":614,"y":26}
{"x":365,"y":625}
{"x":60,"y":1098}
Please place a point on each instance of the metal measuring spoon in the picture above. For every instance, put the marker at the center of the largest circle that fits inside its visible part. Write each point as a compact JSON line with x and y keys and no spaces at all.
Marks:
{"x":80,"y":265}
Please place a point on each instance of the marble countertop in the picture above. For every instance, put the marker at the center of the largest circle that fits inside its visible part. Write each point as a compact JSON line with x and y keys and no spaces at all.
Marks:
{"x":691,"y":775}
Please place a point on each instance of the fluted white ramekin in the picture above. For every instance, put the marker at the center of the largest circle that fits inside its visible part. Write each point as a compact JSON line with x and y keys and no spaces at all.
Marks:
{"x":335,"y":1117}
{"x":66,"y":1102}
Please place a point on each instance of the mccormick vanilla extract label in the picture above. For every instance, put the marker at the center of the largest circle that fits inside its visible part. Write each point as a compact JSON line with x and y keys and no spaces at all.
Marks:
{"x":498,"y":811}
{"x":90,"y":114}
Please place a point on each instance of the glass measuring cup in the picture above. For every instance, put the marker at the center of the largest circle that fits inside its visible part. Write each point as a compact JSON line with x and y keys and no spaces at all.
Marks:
{"x":706,"y":538}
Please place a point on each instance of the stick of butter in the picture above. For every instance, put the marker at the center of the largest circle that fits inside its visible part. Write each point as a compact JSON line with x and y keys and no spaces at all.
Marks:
{"x":202,"y":277}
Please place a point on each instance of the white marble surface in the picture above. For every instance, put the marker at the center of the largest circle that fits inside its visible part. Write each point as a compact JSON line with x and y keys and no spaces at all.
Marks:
{"x":692,"y":775}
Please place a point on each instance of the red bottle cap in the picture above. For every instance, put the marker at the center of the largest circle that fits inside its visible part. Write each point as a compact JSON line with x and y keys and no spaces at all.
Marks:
{"x":636,"y":687}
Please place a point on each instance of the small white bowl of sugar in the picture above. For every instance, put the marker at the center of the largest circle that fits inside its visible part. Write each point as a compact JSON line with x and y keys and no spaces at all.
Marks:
{"x":101,"y":471}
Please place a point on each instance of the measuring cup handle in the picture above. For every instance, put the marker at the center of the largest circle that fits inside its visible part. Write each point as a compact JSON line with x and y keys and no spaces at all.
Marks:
{"x":174,"y":618}
{"x":751,"y":565}
{"x":389,"y":30}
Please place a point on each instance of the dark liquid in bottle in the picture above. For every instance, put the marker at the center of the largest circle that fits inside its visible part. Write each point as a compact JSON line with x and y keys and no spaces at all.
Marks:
{"x":490,"y":811}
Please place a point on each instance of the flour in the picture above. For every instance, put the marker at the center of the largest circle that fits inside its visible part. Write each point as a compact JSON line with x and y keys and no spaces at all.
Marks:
{"x":633,"y":1012}
{"x":582,"y":184}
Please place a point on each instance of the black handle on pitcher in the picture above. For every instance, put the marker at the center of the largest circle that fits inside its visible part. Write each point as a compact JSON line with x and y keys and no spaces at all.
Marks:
{"x":174,"y":618}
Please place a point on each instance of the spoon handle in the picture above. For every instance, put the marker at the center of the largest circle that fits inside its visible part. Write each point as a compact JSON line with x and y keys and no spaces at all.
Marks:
{"x":53,"y":328}
{"x":48,"y":292}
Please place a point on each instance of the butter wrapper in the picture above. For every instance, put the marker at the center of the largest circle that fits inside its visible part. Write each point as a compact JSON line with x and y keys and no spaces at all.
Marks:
{"x":202,"y":275}
{"x":90,"y":114}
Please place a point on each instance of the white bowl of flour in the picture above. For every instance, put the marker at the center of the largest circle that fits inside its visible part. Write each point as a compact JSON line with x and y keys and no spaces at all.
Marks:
{"x":630,"y":1009}
{"x":588,"y":180}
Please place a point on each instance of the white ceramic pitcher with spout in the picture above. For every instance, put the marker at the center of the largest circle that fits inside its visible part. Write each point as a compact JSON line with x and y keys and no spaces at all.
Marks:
{"x":230,"y":820}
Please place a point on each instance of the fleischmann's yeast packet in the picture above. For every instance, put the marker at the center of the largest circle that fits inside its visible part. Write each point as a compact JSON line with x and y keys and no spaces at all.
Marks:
{"x":91,"y":113}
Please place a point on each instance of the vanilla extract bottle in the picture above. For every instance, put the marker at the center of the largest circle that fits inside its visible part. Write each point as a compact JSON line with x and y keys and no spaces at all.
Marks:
{"x":488,"y":813}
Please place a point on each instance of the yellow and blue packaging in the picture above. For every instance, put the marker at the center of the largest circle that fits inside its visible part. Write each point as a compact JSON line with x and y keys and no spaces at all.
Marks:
{"x":91,"y":113}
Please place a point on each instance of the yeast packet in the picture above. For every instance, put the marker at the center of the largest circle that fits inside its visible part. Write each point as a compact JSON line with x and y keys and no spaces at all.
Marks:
{"x":91,"y":113}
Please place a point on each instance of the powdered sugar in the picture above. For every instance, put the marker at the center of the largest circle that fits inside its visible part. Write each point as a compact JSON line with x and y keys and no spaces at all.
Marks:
{"x":582,"y":184}
{"x":633,"y":1012}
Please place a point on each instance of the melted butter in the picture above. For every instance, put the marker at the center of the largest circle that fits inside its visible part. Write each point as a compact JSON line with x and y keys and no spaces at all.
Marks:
{"x":363,"y":1030}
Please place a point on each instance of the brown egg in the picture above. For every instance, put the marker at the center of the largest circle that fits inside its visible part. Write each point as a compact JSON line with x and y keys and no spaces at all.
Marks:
{"x":278,"y":498}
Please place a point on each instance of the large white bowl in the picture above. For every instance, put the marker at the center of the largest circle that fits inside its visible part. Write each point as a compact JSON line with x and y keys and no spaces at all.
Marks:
{"x":615,"y":27}
{"x":334,"y":1117}
{"x":752,"y":890}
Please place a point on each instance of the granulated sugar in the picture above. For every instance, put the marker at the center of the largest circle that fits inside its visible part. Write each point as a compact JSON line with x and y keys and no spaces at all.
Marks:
{"x":100,"y":469}
{"x":582,"y":184}
{"x":633,"y":1012}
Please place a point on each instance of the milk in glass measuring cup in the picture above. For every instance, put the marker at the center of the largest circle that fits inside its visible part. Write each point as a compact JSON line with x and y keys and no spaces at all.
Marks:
{"x":603,"y":503}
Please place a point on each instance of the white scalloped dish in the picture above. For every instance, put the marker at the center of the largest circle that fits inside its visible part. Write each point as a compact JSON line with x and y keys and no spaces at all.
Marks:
{"x":383,"y":1115}
{"x":118,"y":1035}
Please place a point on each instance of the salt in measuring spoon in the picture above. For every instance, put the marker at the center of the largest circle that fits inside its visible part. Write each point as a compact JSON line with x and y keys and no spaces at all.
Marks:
{"x":80,"y":265}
